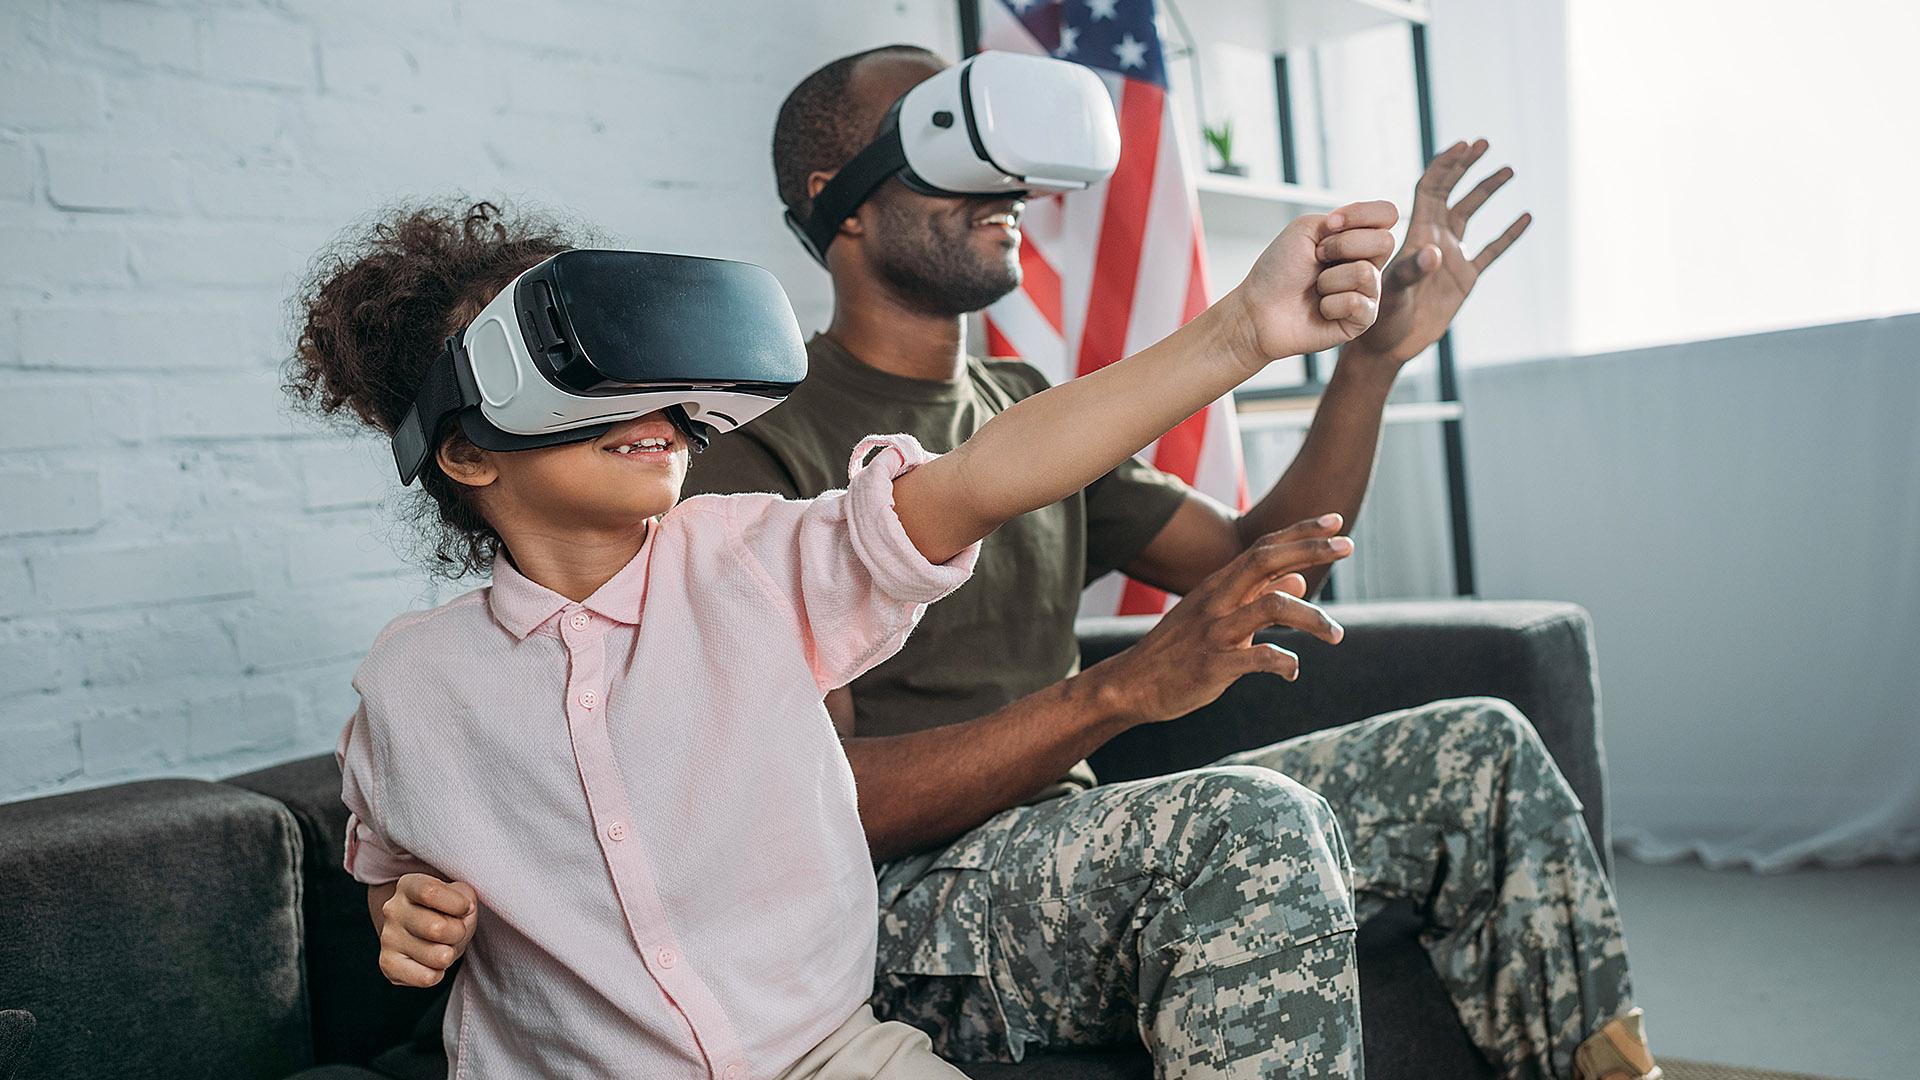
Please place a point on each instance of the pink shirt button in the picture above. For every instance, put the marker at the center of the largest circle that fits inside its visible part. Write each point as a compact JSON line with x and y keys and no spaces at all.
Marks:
{"x":617,"y":831}
{"x":580,"y":620}
{"x":666,"y":957}
{"x":735,"y":1071}
{"x":588,"y":699}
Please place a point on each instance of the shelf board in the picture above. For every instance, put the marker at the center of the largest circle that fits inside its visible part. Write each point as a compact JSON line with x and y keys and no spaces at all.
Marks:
{"x":1271,"y":413}
{"x":1221,"y":186}
{"x":1258,"y":208}
{"x":1286,"y":25}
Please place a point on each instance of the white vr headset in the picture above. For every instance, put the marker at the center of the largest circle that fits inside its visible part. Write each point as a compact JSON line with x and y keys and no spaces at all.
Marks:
{"x":999,"y":124}
{"x":586,"y":339}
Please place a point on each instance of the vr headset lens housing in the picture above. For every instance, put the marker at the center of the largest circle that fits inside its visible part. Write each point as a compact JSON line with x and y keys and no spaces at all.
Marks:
{"x":589,"y":338}
{"x":999,"y":123}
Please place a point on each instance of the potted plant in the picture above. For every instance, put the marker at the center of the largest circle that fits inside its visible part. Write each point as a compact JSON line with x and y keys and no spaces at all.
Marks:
{"x":1220,"y":137}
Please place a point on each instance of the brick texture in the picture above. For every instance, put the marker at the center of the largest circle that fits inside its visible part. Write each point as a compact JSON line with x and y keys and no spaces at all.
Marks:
{"x":189,"y":572}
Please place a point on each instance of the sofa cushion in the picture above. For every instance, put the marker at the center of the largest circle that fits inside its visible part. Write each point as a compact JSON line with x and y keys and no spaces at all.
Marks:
{"x":153,"y":930}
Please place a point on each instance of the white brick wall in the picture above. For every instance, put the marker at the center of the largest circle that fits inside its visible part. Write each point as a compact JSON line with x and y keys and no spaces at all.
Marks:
{"x":188,"y":574}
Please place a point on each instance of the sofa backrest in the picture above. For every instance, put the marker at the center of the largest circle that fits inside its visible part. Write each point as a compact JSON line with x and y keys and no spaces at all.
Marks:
{"x":154,"y":930}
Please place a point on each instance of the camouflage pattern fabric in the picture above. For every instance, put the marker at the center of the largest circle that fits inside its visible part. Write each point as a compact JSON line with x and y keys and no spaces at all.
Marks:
{"x":1208,"y":913}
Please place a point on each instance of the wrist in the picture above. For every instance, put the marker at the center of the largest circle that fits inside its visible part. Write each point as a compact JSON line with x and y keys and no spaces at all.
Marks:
{"x":1112,"y":701}
{"x":1359,"y":363}
{"x":1361,"y":352}
{"x":1232,"y":324}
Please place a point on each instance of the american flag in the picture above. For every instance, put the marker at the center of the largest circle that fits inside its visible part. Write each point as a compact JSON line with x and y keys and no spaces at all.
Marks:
{"x":1112,"y":269}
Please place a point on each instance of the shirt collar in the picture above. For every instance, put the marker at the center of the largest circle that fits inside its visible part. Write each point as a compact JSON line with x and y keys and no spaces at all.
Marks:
{"x":523,"y":605}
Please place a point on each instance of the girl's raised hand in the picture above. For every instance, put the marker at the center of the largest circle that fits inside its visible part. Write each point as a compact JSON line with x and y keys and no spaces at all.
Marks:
{"x":1318,"y":284}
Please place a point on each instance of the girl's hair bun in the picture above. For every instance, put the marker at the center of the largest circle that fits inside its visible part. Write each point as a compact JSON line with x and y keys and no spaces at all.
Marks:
{"x":378,"y":305}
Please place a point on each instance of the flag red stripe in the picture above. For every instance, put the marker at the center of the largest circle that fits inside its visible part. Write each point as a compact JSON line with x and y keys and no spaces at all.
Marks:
{"x":1042,"y":284}
{"x":1123,"y":222}
{"x":998,"y":347}
{"x":1196,"y":277}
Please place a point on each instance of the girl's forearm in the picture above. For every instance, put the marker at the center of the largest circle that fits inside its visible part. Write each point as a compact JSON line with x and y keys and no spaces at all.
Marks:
{"x":1054,"y":443}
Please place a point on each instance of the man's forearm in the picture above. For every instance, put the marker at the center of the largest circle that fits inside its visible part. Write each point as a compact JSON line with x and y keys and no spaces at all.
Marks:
{"x":1335,"y":463}
{"x":923,"y":789}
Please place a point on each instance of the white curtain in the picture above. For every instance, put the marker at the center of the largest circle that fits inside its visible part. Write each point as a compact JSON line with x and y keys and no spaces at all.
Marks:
{"x":1742,"y":517}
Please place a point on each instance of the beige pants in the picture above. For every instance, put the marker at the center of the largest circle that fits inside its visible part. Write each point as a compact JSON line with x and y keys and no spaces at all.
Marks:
{"x":864,"y":1048}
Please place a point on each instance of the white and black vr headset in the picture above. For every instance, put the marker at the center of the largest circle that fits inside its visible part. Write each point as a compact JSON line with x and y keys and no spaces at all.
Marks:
{"x":1000,"y":123}
{"x":589,"y":338}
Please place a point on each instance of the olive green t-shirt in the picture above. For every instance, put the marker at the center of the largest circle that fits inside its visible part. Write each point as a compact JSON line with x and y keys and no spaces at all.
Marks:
{"x":1008,"y":631}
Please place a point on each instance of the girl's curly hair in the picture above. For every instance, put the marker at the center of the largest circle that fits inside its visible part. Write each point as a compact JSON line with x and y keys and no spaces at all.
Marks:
{"x":378,"y":306}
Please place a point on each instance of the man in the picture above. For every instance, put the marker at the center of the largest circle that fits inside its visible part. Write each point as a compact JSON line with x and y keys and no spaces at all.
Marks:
{"x":1014,"y":920}
{"x":1207,"y":913}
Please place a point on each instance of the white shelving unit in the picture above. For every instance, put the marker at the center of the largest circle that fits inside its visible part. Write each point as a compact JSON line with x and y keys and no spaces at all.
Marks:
{"x":1225,"y":44}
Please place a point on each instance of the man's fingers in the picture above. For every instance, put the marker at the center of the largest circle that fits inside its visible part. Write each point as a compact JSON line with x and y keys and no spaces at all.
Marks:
{"x":1269,"y":658}
{"x":1229,"y":587}
{"x":1457,"y":167}
{"x":1355,"y":244}
{"x":1280,"y":609}
{"x":404,"y":971}
{"x":1292,"y":585}
{"x":1254,"y":571}
{"x":1358,"y":277}
{"x":1371,"y":214}
{"x":1502,"y":242}
{"x":1324,"y":525}
{"x":1482,"y":191}
{"x":1446,"y":169}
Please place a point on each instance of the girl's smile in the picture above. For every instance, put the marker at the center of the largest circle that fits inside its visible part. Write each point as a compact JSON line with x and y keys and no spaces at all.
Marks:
{"x":645,"y":441}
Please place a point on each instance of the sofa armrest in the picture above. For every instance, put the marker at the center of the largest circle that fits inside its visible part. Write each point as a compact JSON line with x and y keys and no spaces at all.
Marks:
{"x":1536,"y":654}
{"x":154,"y":929}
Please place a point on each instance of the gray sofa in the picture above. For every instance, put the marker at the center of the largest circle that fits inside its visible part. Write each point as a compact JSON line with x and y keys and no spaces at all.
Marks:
{"x":184,"y":928}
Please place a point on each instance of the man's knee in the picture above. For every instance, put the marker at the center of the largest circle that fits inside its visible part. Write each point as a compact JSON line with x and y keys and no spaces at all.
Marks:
{"x":1249,"y":798}
{"x":1272,"y":866}
{"x":1493,"y":730}
{"x":1264,"y":816}
{"x":1488,"y":726}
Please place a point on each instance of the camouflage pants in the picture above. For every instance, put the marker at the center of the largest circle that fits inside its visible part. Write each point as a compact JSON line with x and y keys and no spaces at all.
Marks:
{"x":1209,"y":913}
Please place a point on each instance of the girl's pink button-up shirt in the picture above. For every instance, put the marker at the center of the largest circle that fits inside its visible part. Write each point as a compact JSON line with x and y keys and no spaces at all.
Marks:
{"x":645,"y":789}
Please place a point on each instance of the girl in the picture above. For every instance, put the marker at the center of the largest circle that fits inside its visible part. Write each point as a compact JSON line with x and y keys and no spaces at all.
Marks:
{"x":620,"y":745}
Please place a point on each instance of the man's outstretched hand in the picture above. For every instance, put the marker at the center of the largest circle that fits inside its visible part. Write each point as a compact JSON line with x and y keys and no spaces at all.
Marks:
{"x":1425,"y":284}
{"x":1206,"y":642}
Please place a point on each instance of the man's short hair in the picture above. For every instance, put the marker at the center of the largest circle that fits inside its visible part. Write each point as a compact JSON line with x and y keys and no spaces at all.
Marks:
{"x":817,"y":131}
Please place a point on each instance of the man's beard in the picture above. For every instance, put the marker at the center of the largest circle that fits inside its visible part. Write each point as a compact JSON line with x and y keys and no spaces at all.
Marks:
{"x":930,"y":263}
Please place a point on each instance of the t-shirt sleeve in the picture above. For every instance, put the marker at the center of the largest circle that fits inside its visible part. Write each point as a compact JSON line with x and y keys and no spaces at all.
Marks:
{"x":737,"y":462}
{"x":371,"y":858}
{"x":1126,"y":509}
{"x":843,"y":564}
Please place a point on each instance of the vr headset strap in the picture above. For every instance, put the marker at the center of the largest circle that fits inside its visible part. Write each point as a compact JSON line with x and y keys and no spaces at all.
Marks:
{"x":850,"y":187}
{"x":448,"y":389}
